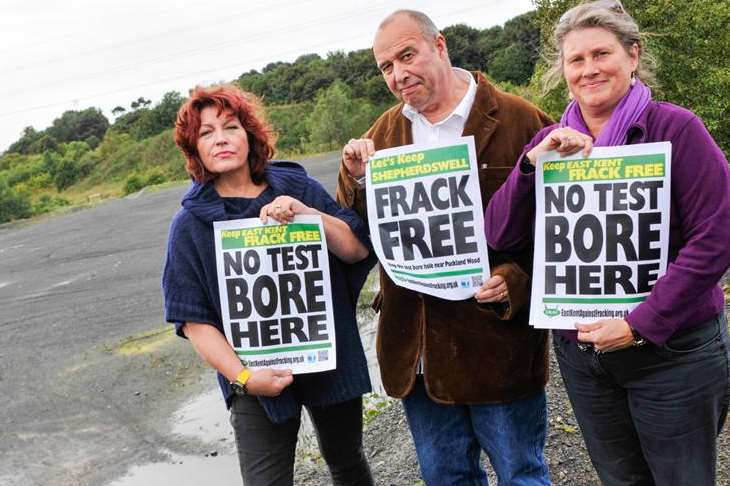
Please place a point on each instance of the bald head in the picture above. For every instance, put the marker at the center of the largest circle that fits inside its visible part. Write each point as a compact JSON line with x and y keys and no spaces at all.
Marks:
{"x":425,"y":24}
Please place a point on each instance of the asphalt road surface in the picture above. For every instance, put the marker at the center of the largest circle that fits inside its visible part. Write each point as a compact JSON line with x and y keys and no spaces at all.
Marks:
{"x":89,"y":372}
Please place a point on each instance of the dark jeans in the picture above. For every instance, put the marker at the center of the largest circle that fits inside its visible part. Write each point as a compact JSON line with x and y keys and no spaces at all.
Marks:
{"x":450,"y":438}
{"x":266,"y":450}
{"x":651,"y":415}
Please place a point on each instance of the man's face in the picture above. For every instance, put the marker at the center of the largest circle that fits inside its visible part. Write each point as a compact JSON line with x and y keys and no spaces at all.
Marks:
{"x":414,"y":67}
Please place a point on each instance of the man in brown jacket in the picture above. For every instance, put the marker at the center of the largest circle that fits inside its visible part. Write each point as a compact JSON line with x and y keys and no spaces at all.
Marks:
{"x":471,"y":373}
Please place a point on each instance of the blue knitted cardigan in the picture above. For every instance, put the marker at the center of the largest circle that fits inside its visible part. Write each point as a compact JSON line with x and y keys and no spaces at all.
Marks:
{"x":190,"y":285}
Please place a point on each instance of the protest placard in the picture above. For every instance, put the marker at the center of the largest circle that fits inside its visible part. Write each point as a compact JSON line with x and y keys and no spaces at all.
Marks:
{"x":426,"y":220}
{"x":601,"y":232}
{"x":276,"y":300}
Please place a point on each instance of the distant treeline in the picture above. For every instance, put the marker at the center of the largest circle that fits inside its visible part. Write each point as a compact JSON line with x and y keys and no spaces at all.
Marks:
{"x":317,"y":103}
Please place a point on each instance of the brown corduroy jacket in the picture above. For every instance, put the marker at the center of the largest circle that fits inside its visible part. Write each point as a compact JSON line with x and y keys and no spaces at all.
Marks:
{"x":472,"y":353}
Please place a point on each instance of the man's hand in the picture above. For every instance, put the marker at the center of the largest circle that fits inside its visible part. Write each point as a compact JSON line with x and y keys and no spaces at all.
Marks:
{"x":356,"y":154}
{"x":608,"y":335}
{"x":268,"y":382}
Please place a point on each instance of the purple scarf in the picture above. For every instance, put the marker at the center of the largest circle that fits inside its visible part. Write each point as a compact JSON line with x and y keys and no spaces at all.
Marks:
{"x":626,"y":113}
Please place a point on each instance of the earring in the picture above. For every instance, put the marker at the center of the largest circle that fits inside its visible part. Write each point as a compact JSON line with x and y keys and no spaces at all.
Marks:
{"x":570,"y":95}
{"x":633,"y":78}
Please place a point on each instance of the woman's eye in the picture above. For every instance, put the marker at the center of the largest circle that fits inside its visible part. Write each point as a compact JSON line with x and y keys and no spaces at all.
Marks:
{"x":205,"y":133}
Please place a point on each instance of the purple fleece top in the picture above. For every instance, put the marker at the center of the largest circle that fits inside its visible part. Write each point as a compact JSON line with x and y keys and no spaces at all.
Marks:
{"x":688,"y":294}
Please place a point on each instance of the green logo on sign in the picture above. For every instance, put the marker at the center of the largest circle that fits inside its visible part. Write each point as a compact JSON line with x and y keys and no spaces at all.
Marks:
{"x":551,"y":312}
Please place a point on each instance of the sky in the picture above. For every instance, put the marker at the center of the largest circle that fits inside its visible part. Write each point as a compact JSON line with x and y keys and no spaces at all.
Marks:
{"x":71,"y":55}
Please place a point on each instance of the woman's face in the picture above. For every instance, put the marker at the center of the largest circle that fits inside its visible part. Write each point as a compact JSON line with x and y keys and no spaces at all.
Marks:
{"x":597,"y":69}
{"x":222,"y":141}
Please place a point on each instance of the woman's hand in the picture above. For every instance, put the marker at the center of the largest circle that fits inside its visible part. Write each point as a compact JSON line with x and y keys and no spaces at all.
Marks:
{"x":268,"y":382}
{"x":493,"y":290}
{"x":566,"y":141}
{"x":283,"y":209}
{"x":606,"y":336}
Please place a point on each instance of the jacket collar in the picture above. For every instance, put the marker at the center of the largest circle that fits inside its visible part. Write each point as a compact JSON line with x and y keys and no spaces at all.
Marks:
{"x":283,"y":178}
{"x":480,"y":123}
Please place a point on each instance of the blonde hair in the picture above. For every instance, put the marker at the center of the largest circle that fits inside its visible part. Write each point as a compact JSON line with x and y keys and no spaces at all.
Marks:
{"x":604,"y":14}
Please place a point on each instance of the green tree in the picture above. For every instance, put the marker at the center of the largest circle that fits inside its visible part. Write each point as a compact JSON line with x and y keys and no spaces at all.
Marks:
{"x":79,"y":125}
{"x":25,"y":143}
{"x":336,"y":117}
{"x":75,"y":164}
{"x":45,"y":142}
{"x":463,"y":48}
{"x":140,"y":102}
{"x":157,"y":119}
{"x":512,"y":64}
{"x":290,"y":122}
{"x":13,"y":205}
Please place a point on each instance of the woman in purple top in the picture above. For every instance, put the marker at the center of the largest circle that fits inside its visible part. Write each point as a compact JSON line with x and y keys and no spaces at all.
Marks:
{"x":650,"y":391}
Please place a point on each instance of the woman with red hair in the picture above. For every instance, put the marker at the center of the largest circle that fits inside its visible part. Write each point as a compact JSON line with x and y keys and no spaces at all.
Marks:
{"x":228,"y":148}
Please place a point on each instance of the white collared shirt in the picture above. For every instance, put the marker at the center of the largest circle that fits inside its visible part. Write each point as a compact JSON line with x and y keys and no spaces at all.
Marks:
{"x":451,"y":127}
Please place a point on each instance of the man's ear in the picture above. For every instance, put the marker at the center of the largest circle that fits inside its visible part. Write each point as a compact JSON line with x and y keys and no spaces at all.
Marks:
{"x":440,"y":44}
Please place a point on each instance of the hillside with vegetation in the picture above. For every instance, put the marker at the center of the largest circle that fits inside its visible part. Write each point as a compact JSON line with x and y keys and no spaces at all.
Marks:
{"x":316,"y":104}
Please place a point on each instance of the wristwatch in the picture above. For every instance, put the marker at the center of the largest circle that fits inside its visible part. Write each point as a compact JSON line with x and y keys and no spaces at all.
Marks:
{"x":638,"y":338}
{"x":239,"y":386}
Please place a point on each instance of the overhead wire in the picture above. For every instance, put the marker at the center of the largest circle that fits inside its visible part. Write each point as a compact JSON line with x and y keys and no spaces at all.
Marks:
{"x":168,"y":58}
{"x":268,"y":57}
{"x":229,"y":17}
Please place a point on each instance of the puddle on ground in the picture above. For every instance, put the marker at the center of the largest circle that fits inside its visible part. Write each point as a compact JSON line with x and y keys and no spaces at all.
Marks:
{"x":185,"y":471}
{"x":206,"y":420}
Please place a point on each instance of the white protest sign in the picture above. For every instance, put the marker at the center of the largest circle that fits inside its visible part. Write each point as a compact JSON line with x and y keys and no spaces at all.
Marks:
{"x":276,"y":300}
{"x":601,"y":232}
{"x":426,"y":220}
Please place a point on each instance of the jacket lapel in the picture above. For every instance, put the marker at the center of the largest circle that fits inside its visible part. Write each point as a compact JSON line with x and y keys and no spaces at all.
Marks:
{"x":480,"y":123}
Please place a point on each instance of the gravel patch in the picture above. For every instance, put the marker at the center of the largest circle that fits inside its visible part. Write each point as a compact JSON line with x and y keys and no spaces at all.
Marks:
{"x":392,"y":457}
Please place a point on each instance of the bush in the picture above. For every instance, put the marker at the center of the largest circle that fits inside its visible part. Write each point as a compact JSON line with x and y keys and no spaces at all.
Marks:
{"x":154,"y":176}
{"x":337,"y":117}
{"x":290,"y":123}
{"x":133,"y":183}
{"x":13,"y":204}
{"x":47,"y":203}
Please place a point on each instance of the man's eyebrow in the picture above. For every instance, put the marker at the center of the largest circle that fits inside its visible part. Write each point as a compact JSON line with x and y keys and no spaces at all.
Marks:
{"x":396,"y":56}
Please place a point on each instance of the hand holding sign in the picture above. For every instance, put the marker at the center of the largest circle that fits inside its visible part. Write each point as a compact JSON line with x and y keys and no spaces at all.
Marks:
{"x":607,"y":335}
{"x":565,"y":141}
{"x":493,"y":290}
{"x":356,"y":154}
{"x":267,"y":382}
{"x":283,"y":209}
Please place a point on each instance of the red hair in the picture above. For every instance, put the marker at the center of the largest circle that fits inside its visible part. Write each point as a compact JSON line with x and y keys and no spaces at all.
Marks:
{"x":246,"y":107}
